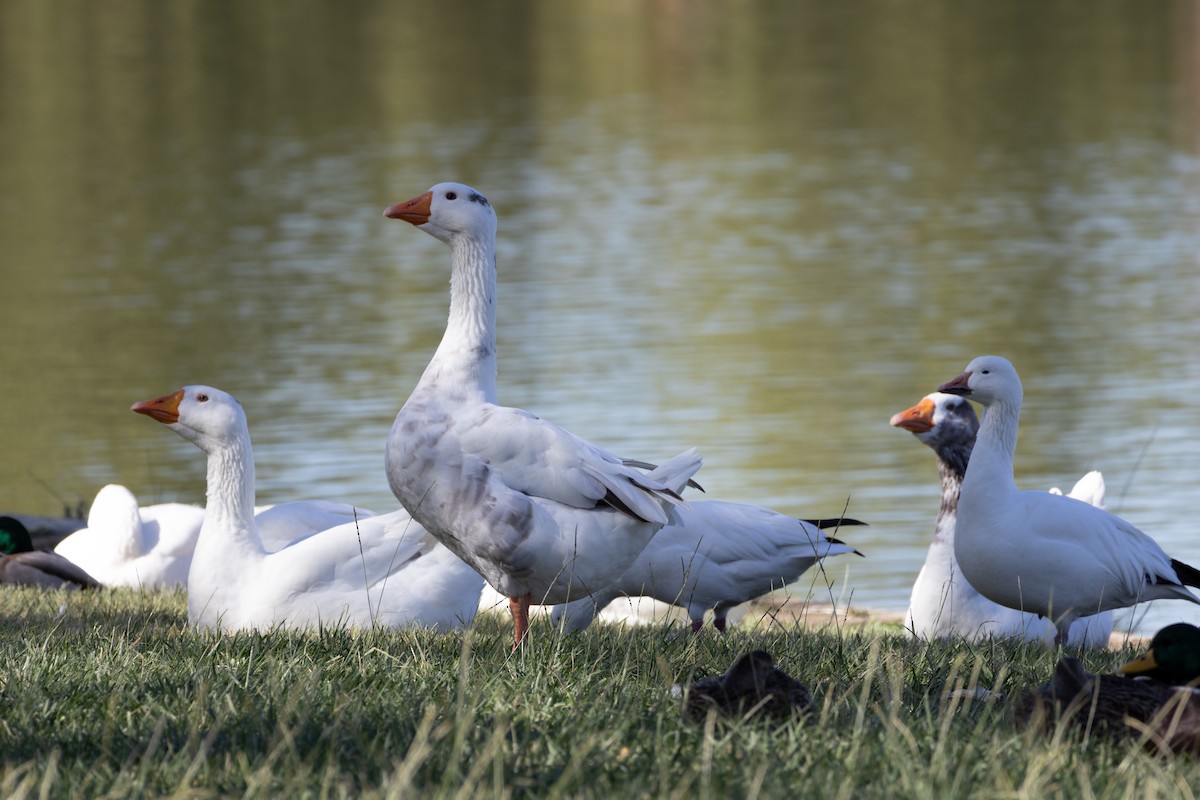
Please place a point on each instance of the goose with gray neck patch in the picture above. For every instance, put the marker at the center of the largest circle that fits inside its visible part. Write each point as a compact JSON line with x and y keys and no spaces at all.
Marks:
{"x":943,"y":602}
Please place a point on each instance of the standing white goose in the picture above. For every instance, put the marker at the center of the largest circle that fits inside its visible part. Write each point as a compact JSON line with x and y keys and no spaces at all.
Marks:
{"x":943,"y":603}
{"x":1042,"y":552}
{"x":382,"y":570}
{"x":715,"y":556}
{"x":545,"y":516}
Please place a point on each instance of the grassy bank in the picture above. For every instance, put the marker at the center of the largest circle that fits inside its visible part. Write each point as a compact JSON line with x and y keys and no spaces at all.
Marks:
{"x":111,"y":694}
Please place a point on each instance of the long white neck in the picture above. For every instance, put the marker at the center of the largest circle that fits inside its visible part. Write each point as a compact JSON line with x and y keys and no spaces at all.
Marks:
{"x":229,"y":531}
{"x":992,"y":459}
{"x":467,"y":354}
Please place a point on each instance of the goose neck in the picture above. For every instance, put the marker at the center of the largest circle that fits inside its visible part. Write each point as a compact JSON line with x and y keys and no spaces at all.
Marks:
{"x":230,"y":497}
{"x":952,"y":479}
{"x":468,"y":348}
{"x":996,"y":445}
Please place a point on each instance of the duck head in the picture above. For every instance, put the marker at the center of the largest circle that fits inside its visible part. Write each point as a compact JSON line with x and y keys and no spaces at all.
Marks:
{"x":1173,"y":656}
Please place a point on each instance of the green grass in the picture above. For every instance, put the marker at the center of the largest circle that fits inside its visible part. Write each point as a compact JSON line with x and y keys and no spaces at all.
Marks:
{"x":112,"y":695}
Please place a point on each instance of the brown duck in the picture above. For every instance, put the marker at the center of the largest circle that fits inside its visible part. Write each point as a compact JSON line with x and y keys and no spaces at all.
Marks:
{"x":1164,"y":705}
{"x":752,"y":687}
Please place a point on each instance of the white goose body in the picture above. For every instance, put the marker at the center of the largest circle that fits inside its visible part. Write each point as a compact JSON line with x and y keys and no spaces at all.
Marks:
{"x":542,"y":514}
{"x":382,"y":570}
{"x":1040,"y":552}
{"x":943,"y":602}
{"x":713,"y":556}
{"x":148,"y":547}
{"x":151,"y":547}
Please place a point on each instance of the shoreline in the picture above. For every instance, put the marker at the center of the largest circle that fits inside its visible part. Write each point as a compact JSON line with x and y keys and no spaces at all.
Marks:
{"x":810,"y":616}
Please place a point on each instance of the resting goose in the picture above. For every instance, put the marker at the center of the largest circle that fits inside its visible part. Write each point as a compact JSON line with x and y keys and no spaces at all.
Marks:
{"x":943,"y":603}
{"x":713,"y":555}
{"x":1091,"y":489}
{"x":382,"y":570}
{"x":545,"y":516}
{"x":150,"y":547}
{"x":1039,"y":552}
{"x":21,"y":565}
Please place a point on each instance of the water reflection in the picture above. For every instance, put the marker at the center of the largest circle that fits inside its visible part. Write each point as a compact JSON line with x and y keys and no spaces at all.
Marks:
{"x":759,"y":233}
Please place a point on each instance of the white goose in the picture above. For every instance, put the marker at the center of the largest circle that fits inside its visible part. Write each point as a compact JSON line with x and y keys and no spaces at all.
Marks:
{"x":144,"y":548}
{"x":943,"y":603}
{"x":382,"y":570}
{"x":150,"y":547}
{"x":714,"y":555}
{"x":545,"y":516}
{"x":1041,"y":552}
{"x":1091,"y":489}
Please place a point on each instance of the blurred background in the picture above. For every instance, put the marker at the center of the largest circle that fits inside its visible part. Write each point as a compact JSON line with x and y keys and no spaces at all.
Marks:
{"x":755,"y":228}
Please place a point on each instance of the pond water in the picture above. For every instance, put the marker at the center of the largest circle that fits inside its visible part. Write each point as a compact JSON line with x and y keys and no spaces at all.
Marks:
{"x":758,"y":232}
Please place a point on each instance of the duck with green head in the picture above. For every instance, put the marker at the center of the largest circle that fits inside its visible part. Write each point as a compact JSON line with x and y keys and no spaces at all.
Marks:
{"x":21,"y":565}
{"x":1161,"y":705}
{"x":1173,"y":657}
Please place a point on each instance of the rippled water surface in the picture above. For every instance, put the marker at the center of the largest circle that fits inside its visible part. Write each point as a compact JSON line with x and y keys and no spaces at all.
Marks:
{"x":760,"y":233}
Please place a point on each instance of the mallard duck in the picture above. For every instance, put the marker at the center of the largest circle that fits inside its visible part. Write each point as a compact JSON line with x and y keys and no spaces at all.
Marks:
{"x":1039,"y":552}
{"x":752,"y":687}
{"x":1165,"y":708}
{"x":21,"y":565}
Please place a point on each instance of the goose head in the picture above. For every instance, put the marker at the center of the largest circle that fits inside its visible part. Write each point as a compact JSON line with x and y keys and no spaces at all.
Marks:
{"x":986,"y":380}
{"x":940,"y":420}
{"x":14,"y":536}
{"x":205,"y":416}
{"x":448,"y":211}
{"x":1173,"y":656}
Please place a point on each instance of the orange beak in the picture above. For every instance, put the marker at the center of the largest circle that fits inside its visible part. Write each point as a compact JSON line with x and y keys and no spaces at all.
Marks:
{"x":918,"y":419}
{"x":165,"y":409}
{"x":957,"y":386}
{"x":415,"y":211}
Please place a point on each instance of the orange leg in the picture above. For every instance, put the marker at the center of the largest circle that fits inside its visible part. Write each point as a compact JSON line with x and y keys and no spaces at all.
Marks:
{"x":519,"y":606}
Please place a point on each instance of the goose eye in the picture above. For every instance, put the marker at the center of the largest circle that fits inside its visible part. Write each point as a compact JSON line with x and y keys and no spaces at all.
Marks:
{"x":451,"y":195}
{"x":201,"y":398}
